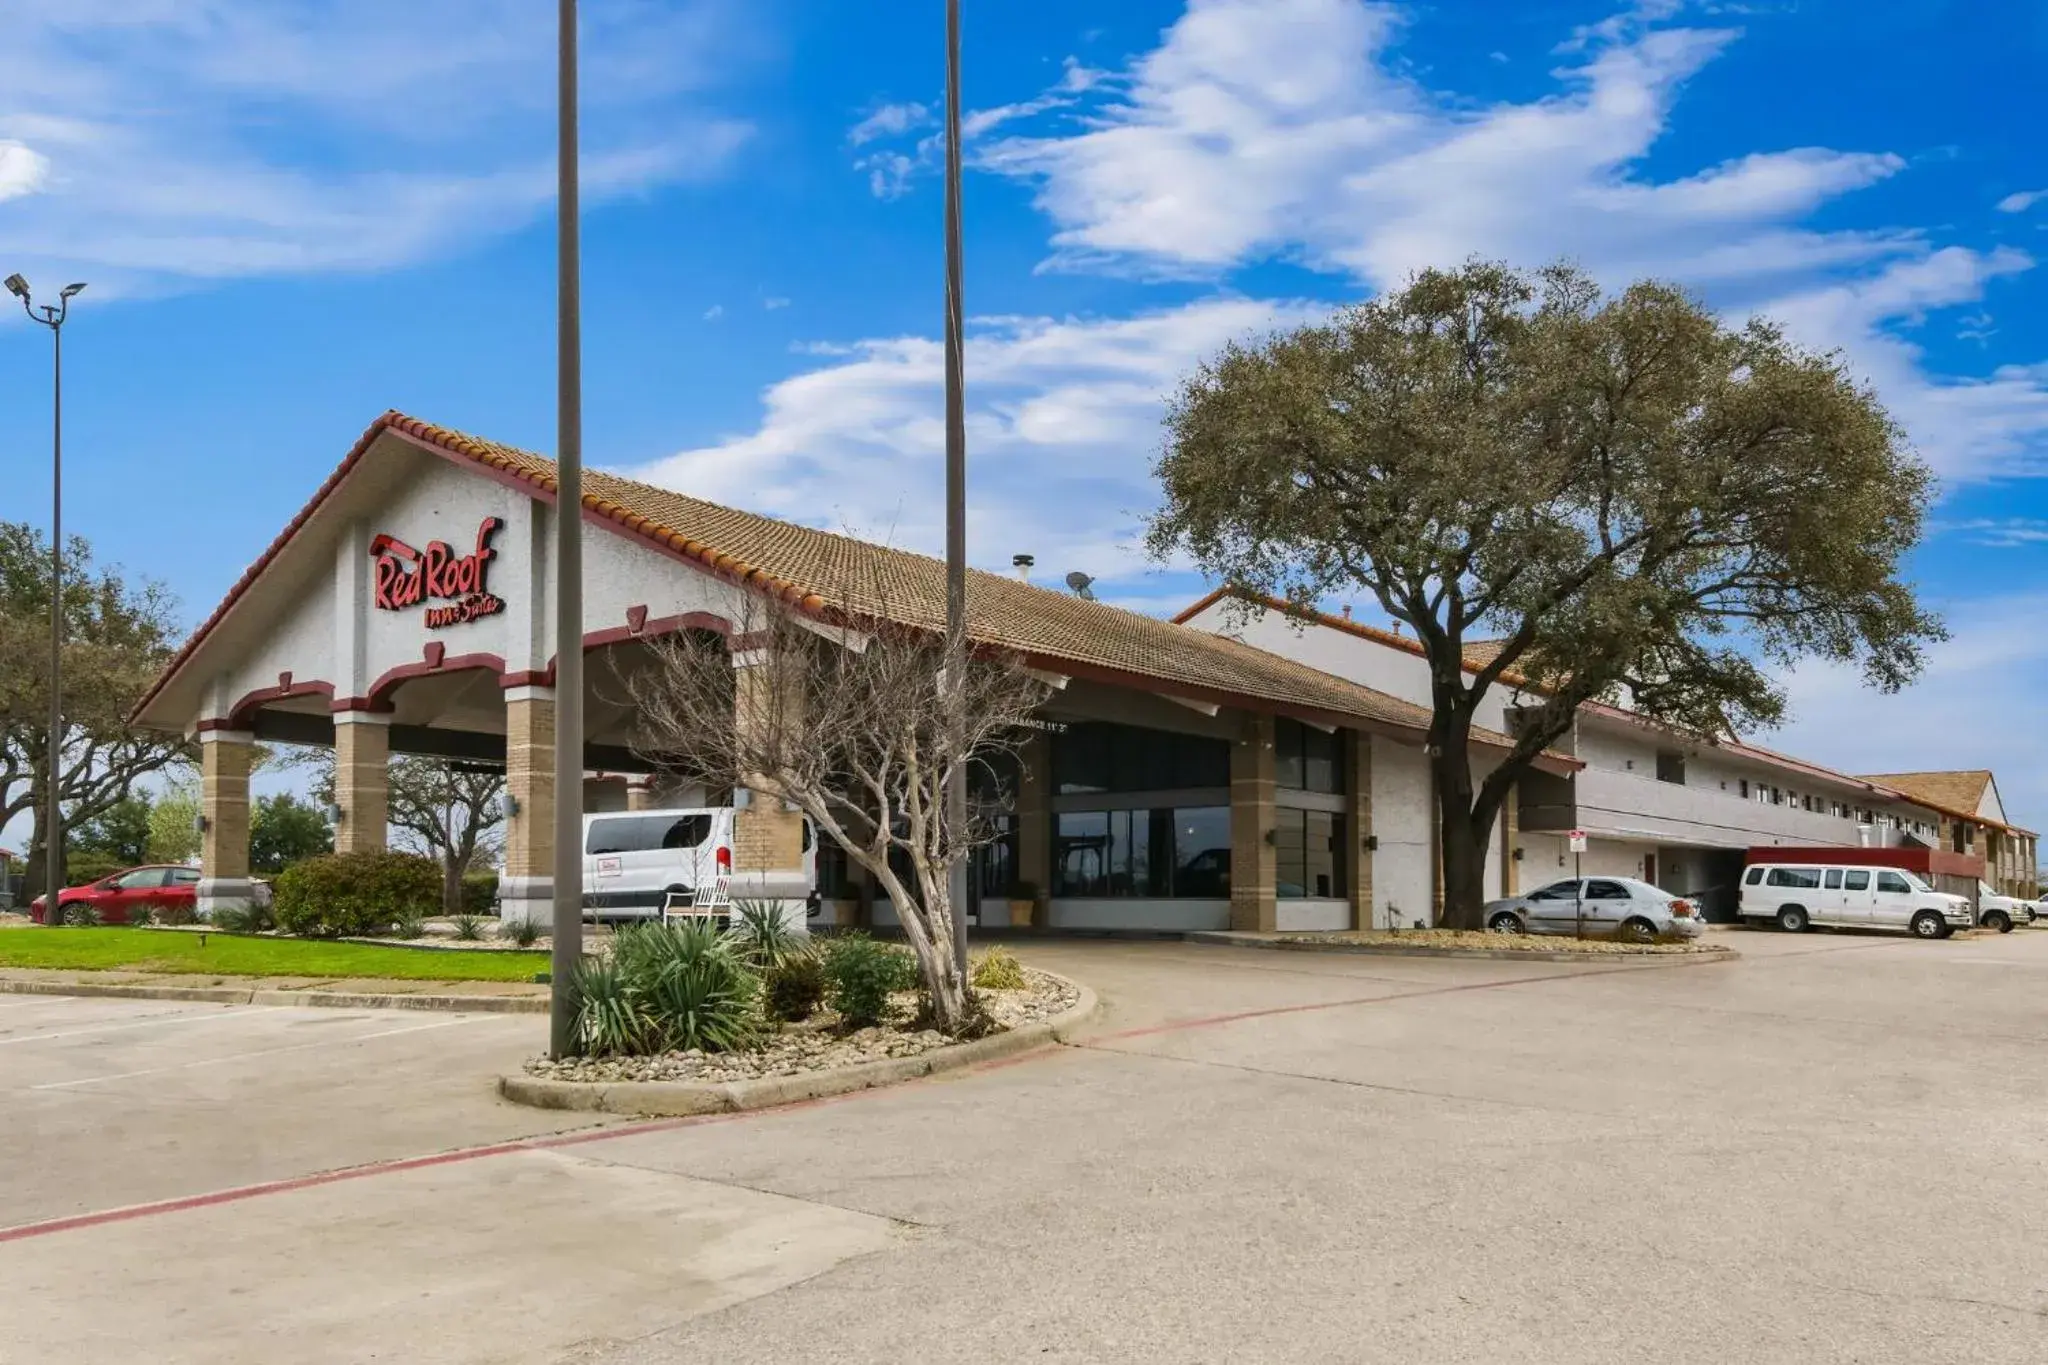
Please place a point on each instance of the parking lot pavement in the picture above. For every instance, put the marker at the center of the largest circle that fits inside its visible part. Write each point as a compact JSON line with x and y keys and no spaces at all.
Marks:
{"x":1829,"y":1150}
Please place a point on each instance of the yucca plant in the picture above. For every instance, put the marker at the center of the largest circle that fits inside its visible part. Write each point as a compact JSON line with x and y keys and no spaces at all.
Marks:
{"x":140,"y":916}
{"x":469,"y":928}
{"x":524,"y":932}
{"x":689,"y":986}
{"x":609,"y":1019}
{"x":764,"y":938}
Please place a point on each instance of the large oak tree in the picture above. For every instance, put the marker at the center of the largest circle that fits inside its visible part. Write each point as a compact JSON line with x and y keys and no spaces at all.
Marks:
{"x":1641,"y":503}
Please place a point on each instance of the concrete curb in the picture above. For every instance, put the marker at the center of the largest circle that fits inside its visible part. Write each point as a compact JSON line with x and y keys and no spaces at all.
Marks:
{"x":1711,"y":953}
{"x":682,"y":1099}
{"x":245,"y":995}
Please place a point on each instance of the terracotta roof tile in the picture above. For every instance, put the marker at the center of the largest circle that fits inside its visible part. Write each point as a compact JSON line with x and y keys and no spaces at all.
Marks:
{"x":1959,"y":792}
{"x":811,"y":568}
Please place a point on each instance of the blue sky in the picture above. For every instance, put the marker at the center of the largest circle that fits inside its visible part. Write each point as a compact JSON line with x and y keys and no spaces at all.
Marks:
{"x":294,"y":215}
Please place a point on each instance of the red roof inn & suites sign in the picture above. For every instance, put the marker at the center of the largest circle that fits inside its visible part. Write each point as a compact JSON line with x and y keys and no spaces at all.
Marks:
{"x":407,"y":578}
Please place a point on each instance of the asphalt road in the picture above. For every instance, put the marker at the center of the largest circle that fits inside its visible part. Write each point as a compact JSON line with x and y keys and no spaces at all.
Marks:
{"x":1830,"y":1150}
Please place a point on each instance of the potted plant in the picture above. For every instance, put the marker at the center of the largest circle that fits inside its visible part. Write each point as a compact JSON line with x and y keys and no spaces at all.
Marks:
{"x":1023,"y":905}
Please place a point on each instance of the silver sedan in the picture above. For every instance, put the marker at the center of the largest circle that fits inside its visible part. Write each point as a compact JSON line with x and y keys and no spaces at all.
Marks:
{"x":1606,"y":907}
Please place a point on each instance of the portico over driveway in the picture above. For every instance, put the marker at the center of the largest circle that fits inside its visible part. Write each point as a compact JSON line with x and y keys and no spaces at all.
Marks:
{"x":409,"y":608}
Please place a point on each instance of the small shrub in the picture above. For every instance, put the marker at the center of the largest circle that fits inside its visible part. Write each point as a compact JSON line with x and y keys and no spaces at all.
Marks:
{"x":861,"y":973}
{"x":409,"y":926}
{"x":140,"y":916}
{"x":997,"y":970}
{"x":795,"y":989}
{"x":469,"y":928}
{"x":81,"y":916}
{"x":356,"y":893}
{"x":479,"y":893}
{"x":238,"y":919}
{"x":177,"y":914}
{"x":763,"y":938}
{"x":524,"y":932}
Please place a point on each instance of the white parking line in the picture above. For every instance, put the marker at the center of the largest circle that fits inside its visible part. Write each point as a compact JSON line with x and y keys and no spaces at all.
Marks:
{"x":260,"y":1052}
{"x":153,"y":1021}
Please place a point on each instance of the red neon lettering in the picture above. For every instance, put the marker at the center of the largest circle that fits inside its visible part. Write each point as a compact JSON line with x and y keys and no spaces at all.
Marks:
{"x":406,"y":577}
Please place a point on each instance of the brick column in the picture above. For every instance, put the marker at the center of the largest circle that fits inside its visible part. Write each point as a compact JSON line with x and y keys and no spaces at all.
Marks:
{"x":1254,"y":861}
{"x":362,"y":779}
{"x":767,"y":839}
{"x":1034,"y":823}
{"x":526,"y":889}
{"x":1510,"y":837}
{"x":1358,"y":824}
{"x":225,"y":758}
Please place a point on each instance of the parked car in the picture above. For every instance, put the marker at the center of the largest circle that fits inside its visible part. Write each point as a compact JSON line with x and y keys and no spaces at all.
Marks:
{"x":1613,"y":907}
{"x":2002,"y":913}
{"x":156,"y":888}
{"x":1797,"y":897}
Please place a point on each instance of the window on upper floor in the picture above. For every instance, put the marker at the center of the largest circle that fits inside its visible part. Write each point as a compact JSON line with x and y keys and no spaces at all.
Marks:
{"x":1671,"y":767}
{"x":1745,"y":788}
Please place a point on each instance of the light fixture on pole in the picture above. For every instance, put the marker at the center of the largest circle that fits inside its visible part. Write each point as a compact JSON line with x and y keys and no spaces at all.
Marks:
{"x":52,"y":316}
{"x":956,"y":484}
{"x":567,"y":879}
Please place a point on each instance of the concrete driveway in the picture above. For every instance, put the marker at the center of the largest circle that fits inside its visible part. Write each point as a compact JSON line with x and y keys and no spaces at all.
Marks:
{"x":1830,"y":1150}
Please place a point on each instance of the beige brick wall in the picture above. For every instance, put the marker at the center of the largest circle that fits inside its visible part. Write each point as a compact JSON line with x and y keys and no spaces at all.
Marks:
{"x":362,"y":782}
{"x":1253,"y":858}
{"x":1358,"y":824}
{"x":224,"y":765}
{"x":530,"y":778}
{"x":765,"y":836}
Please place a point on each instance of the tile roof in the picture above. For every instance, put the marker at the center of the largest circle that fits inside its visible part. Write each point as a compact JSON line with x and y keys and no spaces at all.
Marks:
{"x":831,"y":574}
{"x":1958,"y":791}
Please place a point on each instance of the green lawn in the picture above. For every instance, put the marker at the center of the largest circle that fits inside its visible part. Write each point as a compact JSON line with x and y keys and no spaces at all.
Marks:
{"x":174,"y":950}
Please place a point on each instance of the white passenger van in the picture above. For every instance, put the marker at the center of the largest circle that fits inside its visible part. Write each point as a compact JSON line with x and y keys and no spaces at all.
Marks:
{"x":1797,"y":895}
{"x":635,"y":863}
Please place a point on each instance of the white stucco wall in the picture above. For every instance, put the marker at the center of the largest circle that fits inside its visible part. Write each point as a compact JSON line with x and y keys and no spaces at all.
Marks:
{"x":1367,"y":662}
{"x":1403,"y":890}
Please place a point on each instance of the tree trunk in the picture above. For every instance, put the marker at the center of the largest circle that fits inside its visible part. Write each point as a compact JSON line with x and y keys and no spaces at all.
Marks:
{"x":451,"y":884}
{"x":34,"y":869}
{"x":1462,"y":840}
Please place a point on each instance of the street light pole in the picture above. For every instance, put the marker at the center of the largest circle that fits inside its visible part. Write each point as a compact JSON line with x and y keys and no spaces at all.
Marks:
{"x":568,"y":869}
{"x":956,"y":483}
{"x":52,"y":316}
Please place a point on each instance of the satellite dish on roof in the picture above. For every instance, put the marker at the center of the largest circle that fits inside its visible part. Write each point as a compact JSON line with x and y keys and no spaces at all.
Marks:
{"x":1079,"y":582}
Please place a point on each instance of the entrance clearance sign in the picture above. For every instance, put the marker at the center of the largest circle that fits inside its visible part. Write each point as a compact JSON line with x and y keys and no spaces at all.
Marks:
{"x":409,"y":578}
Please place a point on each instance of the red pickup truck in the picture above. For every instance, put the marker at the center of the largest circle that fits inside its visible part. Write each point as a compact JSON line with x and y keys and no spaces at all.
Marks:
{"x":159,"y":888}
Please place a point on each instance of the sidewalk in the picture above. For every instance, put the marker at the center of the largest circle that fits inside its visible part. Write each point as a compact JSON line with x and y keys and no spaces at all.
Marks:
{"x":357,"y":992}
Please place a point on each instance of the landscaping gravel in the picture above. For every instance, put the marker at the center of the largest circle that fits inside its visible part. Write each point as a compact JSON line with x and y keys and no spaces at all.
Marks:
{"x":816,"y":1044}
{"x":1471,"y":939}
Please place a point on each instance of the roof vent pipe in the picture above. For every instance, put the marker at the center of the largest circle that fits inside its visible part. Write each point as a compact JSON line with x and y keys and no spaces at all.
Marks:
{"x":1347,"y":611}
{"x":1022,"y":564}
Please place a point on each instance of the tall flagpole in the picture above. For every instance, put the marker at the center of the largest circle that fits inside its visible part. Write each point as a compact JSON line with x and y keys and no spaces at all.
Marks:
{"x":568,"y":869}
{"x":956,"y":475}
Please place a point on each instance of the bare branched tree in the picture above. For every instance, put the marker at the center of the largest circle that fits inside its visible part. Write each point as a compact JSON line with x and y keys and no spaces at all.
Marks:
{"x":857,"y":724}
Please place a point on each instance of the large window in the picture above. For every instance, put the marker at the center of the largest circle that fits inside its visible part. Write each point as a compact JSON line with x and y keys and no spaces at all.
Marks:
{"x":1671,"y":767}
{"x":1307,"y":759}
{"x":1096,"y":756}
{"x":1154,"y":854}
{"x":995,"y":863}
{"x":1311,"y":854}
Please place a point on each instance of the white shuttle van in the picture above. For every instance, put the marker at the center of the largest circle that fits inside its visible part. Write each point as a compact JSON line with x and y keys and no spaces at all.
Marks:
{"x":637,"y":862}
{"x":1798,"y":895}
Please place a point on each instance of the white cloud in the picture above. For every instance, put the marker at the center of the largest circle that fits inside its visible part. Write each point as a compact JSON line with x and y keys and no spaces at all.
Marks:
{"x":1284,"y":128}
{"x":199,"y":139}
{"x":1998,"y":533}
{"x":1063,"y":422}
{"x":775,"y":304}
{"x":891,"y":120}
{"x":890,"y":173}
{"x":1979,"y":705}
{"x":714,"y":312}
{"x":21,"y":169}
{"x":2021,"y":201}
